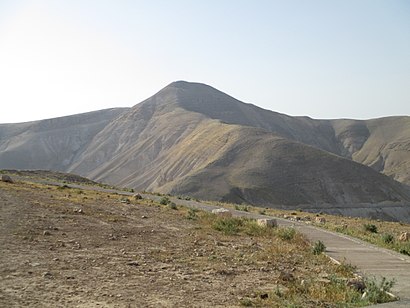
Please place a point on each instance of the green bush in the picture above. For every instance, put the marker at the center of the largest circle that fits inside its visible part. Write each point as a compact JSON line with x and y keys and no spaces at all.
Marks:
{"x":172,"y":205}
{"x":63,"y":187}
{"x":371,"y":228}
{"x":164,"y":201}
{"x":388,"y":238}
{"x":376,"y":292}
{"x":246,"y":302}
{"x":192,"y":214}
{"x":229,"y":226}
{"x":243,"y":208}
{"x":286,"y":234}
{"x":318,"y":248}
{"x":404,"y":251}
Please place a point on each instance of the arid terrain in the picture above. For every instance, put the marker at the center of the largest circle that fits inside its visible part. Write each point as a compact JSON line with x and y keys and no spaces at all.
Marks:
{"x":192,"y":139}
{"x":64,"y":247}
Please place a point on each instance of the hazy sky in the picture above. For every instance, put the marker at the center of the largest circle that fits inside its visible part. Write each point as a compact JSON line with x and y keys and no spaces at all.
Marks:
{"x":324,"y":59}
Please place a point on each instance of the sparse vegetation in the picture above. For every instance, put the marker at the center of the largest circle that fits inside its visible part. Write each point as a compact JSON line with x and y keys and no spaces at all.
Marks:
{"x":405,"y":251}
{"x":377,"y":292}
{"x":243,"y":208}
{"x":192,"y":214}
{"x":388,"y":238}
{"x":234,"y":247}
{"x":352,"y":226}
{"x":370,"y":228}
{"x":164,"y":201}
{"x":228,"y":226}
{"x":65,"y":186}
{"x":172,"y":206}
{"x":286,"y":234}
{"x":318,"y":248}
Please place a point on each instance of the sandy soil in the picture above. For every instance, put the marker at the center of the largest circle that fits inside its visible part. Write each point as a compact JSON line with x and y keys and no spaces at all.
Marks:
{"x":65,"y":248}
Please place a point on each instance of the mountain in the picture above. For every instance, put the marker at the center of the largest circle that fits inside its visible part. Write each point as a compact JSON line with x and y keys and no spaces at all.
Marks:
{"x":192,"y":139}
{"x":383,"y":144}
{"x":51,"y":144}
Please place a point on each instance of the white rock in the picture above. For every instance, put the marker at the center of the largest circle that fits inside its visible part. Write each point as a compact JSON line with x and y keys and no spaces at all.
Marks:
{"x":267,"y":222}
{"x":222,"y":212}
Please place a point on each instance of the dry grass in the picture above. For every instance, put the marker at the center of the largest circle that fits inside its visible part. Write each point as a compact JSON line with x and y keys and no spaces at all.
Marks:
{"x":387,"y":234}
{"x":206,"y":259}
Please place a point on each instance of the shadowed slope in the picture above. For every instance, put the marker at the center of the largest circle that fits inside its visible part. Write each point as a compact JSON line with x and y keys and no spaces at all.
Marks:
{"x":257,"y":167}
{"x":179,"y":141}
{"x":190,"y":138}
{"x":382,"y":144}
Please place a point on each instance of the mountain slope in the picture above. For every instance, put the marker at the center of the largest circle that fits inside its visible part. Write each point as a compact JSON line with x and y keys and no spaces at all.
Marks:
{"x":257,"y":167}
{"x":182,"y":141}
{"x":190,"y":138}
{"x":383,"y":144}
{"x":50,"y":144}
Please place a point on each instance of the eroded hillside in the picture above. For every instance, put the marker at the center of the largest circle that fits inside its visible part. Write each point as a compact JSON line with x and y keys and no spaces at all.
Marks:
{"x":192,"y":139}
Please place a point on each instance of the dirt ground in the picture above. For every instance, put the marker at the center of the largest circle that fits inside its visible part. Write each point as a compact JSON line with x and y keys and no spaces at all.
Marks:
{"x":65,"y":247}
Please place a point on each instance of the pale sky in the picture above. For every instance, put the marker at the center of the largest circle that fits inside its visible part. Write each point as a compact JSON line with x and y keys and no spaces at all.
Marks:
{"x":323,"y":59}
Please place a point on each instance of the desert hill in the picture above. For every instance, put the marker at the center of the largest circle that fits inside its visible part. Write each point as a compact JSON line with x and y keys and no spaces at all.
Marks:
{"x":192,"y":139}
{"x":383,"y":144}
{"x":53,"y":143}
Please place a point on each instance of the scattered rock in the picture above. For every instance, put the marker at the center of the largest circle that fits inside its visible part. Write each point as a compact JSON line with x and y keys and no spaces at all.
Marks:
{"x":137,"y":197}
{"x":320,"y":220}
{"x":112,"y":237}
{"x":47,"y":275}
{"x":286,"y":276}
{"x":264,"y":296}
{"x":270,"y":223}
{"x":324,"y":280}
{"x":144,"y":217}
{"x":222,"y":212}
{"x":46,"y":232}
{"x":357,"y":284}
{"x":295,"y":218}
{"x":133,"y":263}
{"x":404,"y":237}
{"x":6,"y":178}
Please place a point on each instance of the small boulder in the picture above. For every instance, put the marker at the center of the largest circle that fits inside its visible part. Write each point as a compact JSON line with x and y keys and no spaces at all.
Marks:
{"x":137,"y":197}
{"x":286,"y":276}
{"x":6,"y":178}
{"x":222,"y":212}
{"x":320,"y":220}
{"x":404,"y":237}
{"x":47,"y":275}
{"x":270,"y":223}
{"x":357,"y":284}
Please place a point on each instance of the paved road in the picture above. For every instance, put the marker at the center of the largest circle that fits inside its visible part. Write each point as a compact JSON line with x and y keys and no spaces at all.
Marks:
{"x":369,"y":259}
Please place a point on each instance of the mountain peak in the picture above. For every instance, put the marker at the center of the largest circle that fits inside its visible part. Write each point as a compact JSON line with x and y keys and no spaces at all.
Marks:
{"x":182,"y":84}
